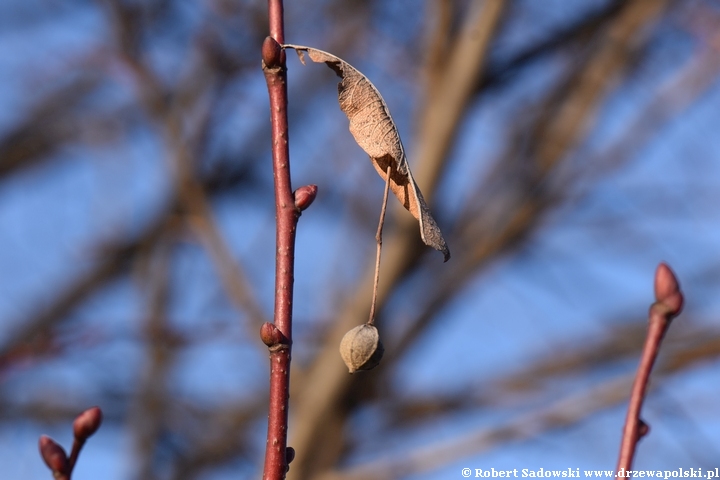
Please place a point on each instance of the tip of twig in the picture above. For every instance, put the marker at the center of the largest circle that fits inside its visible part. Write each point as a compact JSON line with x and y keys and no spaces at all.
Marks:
{"x":667,"y":289}
{"x":54,"y":456}
{"x":665,"y":282}
{"x":87,"y":423}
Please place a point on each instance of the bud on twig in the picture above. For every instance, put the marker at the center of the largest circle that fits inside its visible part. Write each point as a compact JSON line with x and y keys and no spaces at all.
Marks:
{"x":305,"y":196}
{"x":87,"y":423}
{"x":667,"y":289}
{"x":289,"y":455}
{"x":54,"y":456}
{"x":668,"y":303}
{"x":272,"y":52}
{"x":271,"y":335}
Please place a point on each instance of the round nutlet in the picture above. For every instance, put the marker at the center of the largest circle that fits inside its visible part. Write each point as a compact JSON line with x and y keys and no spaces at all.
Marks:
{"x":361,"y":348}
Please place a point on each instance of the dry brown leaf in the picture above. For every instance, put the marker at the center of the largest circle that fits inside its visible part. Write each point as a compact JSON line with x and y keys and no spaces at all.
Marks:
{"x":375,"y":131}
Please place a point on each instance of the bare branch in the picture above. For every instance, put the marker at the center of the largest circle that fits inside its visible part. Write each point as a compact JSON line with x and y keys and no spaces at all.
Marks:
{"x":668,"y":304}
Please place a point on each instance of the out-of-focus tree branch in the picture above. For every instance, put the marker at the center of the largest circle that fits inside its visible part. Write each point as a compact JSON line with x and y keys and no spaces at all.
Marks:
{"x":327,"y":381}
{"x":183,"y":79}
{"x":577,"y":33}
{"x":190,"y":191}
{"x":53,"y":122}
{"x":114,"y":260}
{"x":521,"y":189}
{"x":570,"y":410}
{"x":449,"y":95}
{"x":151,"y":404}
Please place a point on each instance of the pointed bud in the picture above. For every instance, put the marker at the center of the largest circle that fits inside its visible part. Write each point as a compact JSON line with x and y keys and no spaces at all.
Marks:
{"x":53,"y":455}
{"x":667,"y":289}
{"x":665,"y":282}
{"x":87,"y":423}
{"x":643,"y":429}
{"x":361,"y":349}
{"x":272,"y":52}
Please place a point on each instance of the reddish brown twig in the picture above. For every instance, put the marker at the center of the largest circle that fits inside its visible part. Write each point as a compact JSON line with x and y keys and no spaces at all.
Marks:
{"x":668,"y":303}
{"x":278,"y":336}
{"x":84,"y":426}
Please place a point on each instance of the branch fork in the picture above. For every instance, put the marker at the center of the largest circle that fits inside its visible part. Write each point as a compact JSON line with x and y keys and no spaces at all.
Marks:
{"x":60,"y":464}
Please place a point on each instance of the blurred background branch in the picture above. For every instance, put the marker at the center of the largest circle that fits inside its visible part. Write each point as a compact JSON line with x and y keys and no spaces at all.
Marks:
{"x":566,"y":147}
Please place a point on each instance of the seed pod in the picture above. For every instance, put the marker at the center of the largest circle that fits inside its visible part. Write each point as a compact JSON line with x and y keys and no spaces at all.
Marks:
{"x":361,"y":349}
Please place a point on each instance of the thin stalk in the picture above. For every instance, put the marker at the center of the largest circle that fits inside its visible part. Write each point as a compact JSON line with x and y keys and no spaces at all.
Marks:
{"x":635,"y":428}
{"x":75,"y":453}
{"x":378,"y":238}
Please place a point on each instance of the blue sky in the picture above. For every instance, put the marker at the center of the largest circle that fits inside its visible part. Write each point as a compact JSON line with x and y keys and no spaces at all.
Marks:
{"x":585,"y":272}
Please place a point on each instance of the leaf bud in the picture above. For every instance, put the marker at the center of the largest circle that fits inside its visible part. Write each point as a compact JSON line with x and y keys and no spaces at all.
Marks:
{"x":667,"y":289}
{"x":272,"y":53}
{"x":87,"y":423}
{"x":271,"y":335}
{"x":305,"y":196}
{"x":53,"y":455}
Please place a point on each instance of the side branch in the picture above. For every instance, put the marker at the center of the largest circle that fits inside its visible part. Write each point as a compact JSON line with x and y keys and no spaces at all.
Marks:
{"x":668,"y":303}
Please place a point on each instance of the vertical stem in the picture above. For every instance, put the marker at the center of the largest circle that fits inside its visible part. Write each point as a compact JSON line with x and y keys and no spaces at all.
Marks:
{"x":277,"y":21}
{"x":668,"y":304}
{"x":378,"y":238}
{"x":286,"y":217}
{"x":75,"y":453}
{"x":634,"y":427}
